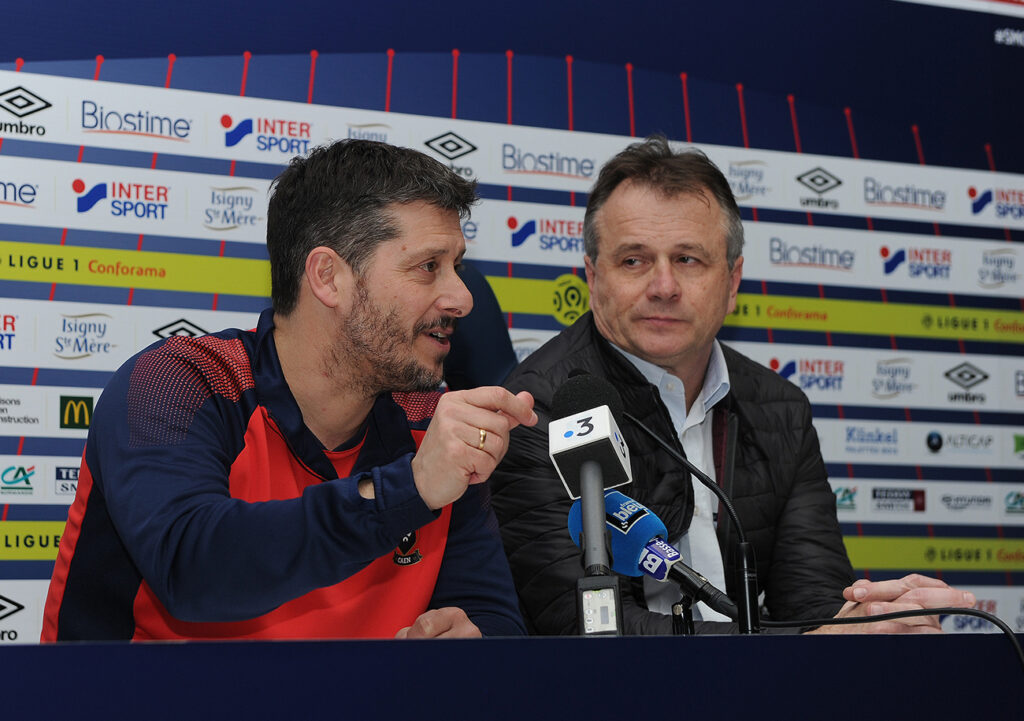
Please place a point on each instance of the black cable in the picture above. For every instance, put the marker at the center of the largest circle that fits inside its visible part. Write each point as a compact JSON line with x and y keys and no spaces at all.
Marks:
{"x":701,"y":476}
{"x":994,"y":620}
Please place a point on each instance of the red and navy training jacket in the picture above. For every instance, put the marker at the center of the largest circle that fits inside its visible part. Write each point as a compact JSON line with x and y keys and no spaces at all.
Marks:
{"x":207,"y":509}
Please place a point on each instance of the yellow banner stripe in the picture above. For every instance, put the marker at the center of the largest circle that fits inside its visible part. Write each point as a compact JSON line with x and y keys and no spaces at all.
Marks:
{"x":133,"y":269}
{"x":521,"y":295}
{"x":936,"y":554}
{"x":30,"y":540}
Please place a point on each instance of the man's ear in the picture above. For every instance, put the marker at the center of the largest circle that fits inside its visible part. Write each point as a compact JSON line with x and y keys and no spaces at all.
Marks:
{"x":328,"y":276}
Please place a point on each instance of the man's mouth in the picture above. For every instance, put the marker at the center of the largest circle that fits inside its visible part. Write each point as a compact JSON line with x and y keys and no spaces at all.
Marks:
{"x":440,"y":330}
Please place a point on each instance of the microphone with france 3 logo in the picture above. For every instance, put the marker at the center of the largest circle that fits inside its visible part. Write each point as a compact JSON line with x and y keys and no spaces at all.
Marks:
{"x":590,"y":455}
{"x":639,"y":548}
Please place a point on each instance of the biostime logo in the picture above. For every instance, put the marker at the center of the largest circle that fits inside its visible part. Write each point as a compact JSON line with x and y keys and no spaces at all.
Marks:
{"x":878,"y":193}
{"x":932,"y":263}
{"x":127,"y":200}
{"x":1009,"y":202}
{"x":451,"y":147}
{"x":273,"y":135}
{"x":811,"y":373}
{"x":517,"y":160}
{"x":820,"y":181}
{"x":138,"y":123}
{"x":20,"y":195}
{"x":21,"y":102}
{"x":554,"y":234}
{"x":791,"y":255}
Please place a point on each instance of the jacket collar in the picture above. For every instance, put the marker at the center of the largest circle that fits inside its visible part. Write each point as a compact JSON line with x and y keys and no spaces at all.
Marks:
{"x":386,"y":429}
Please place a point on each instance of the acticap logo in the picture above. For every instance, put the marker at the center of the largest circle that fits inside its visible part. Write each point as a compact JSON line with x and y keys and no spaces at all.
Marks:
{"x":273,"y":135}
{"x":127,"y":200}
{"x":22,"y":102}
{"x":139,"y":123}
{"x":554,"y":234}
{"x":933,"y":263}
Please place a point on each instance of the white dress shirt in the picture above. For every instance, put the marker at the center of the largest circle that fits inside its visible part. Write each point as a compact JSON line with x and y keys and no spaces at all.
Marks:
{"x":699,"y":545}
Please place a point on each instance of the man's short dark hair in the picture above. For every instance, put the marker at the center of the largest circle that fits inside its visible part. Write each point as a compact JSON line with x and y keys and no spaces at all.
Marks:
{"x":338,"y":196}
{"x":652,"y":163}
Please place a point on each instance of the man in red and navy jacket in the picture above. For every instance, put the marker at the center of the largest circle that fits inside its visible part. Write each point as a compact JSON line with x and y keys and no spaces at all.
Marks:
{"x":302,"y":479}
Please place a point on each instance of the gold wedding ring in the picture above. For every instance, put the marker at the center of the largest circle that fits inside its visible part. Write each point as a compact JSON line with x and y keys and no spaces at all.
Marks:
{"x":483,"y":437}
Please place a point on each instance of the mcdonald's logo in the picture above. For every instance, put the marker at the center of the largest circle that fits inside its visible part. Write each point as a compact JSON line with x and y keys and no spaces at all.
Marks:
{"x":75,"y":411}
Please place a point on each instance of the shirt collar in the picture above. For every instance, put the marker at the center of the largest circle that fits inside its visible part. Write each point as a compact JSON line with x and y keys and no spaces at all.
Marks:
{"x":716,"y":378}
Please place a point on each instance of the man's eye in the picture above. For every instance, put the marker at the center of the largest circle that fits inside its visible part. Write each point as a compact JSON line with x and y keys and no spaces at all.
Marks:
{"x":430,"y":266}
{"x":631,"y":262}
{"x":686,"y":259}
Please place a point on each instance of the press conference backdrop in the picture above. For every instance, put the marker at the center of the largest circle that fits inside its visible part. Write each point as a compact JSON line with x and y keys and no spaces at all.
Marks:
{"x":133,"y":197}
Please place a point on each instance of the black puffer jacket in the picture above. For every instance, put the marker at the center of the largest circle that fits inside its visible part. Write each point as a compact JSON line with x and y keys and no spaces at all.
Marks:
{"x":766,"y":457}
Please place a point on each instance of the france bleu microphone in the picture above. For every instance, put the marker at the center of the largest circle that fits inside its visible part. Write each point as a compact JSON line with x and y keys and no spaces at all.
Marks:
{"x":638,"y":548}
{"x":584,"y":428}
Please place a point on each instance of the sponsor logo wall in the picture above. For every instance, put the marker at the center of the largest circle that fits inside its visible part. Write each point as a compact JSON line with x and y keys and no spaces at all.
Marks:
{"x":532,"y":253}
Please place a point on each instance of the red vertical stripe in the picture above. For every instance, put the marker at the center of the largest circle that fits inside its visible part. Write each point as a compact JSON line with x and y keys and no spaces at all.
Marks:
{"x":455,"y":79}
{"x":920,"y":158}
{"x":387,"y":87}
{"x":796,"y":138}
{"x":313,"y":55}
{"x":856,"y":153}
{"x":508,"y":112}
{"x":686,"y":106}
{"x":568,"y":88}
{"x":508,"y":99}
{"x":629,"y":92}
{"x":246,"y":57}
{"x":743,"y":125}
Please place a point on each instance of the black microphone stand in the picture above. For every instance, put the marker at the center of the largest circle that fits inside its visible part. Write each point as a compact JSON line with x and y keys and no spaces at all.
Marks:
{"x":598,"y":603}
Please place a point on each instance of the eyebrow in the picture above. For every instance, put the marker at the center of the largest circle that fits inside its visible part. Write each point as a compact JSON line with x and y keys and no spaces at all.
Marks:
{"x":677,"y":248}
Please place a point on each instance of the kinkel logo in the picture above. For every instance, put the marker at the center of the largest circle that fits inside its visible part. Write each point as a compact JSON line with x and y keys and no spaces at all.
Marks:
{"x":819,"y":181}
{"x":290,"y":137}
{"x":979,"y":200}
{"x":182,"y":327}
{"x":555,"y":234}
{"x":127,"y":200}
{"x":21,"y":102}
{"x":75,"y":411}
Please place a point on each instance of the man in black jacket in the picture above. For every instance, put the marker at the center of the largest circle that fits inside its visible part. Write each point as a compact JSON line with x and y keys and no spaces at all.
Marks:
{"x":663,"y":242}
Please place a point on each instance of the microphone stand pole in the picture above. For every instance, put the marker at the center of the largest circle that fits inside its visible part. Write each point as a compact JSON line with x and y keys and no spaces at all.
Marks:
{"x":598,"y":605}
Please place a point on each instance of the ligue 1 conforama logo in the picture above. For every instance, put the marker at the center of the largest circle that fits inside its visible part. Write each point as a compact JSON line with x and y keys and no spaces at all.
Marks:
{"x":571,"y":299}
